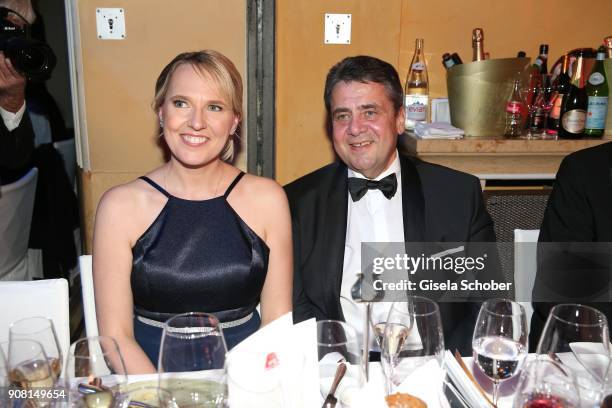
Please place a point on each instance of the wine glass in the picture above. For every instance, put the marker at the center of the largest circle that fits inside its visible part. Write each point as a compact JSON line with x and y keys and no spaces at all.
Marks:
{"x":147,"y":397}
{"x":544,"y":383}
{"x":499,"y":343}
{"x":95,"y":373}
{"x":413,"y":336}
{"x":192,"y":360}
{"x":28,"y":368}
{"x":42,"y":330}
{"x":338,"y":343}
{"x":577,"y":336}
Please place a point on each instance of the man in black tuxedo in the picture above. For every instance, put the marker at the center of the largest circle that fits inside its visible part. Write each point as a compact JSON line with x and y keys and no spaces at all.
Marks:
{"x":392,"y":198}
{"x":579,"y":210}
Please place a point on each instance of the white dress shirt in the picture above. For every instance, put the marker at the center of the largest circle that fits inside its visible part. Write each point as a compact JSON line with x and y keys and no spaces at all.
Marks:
{"x":12,"y":120}
{"x":374,"y":218}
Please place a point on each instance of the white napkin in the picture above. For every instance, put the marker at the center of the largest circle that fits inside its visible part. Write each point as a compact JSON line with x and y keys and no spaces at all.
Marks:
{"x":292,"y":348}
{"x":465,"y":386}
{"x":437,"y":131}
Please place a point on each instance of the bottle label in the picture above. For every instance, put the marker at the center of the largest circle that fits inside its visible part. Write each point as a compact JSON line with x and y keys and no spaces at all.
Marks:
{"x":555,"y":111}
{"x":416,"y":109}
{"x":573,"y":121}
{"x":418,"y":66}
{"x":596,"y":112}
{"x":596,"y":78}
{"x":513,"y":107}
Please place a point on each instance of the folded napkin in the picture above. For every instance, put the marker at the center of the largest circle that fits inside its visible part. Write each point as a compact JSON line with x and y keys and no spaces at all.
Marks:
{"x":465,"y":386}
{"x":276,"y":366}
{"x":437,"y":131}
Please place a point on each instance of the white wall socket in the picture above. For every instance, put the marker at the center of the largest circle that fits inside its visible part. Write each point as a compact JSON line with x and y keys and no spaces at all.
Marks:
{"x":337,"y":28}
{"x":110,"y":23}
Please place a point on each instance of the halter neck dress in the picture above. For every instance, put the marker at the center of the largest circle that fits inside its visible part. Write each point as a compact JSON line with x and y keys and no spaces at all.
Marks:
{"x":197,"y":256}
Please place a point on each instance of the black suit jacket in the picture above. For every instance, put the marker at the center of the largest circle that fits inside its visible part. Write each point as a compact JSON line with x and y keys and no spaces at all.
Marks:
{"x":16,"y":149}
{"x":439,"y":205}
{"x":579,"y":210}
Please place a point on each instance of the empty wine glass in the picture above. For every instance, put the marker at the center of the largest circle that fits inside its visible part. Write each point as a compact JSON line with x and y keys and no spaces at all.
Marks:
{"x":413,"y":336}
{"x":337,"y":343}
{"x":28,"y":368}
{"x":42,"y":330}
{"x":578,"y":337}
{"x":95,"y":373}
{"x":499,"y":343}
{"x":544,"y":383}
{"x":192,"y":360}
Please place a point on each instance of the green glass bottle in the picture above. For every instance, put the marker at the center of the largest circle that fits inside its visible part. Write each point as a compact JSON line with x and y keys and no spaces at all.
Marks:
{"x":597,"y":93}
{"x":574,"y":105}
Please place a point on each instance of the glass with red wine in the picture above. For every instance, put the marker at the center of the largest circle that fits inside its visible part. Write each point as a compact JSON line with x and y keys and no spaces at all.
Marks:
{"x":546,"y":384}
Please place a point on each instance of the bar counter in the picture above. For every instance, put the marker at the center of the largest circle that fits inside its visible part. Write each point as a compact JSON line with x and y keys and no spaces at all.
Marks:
{"x":496,"y":157}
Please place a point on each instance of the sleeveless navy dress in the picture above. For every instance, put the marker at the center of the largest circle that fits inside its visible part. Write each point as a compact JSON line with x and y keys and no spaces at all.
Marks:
{"x":197,"y":256}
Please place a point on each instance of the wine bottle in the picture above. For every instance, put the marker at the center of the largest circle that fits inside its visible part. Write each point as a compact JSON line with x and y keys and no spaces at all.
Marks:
{"x":477,"y":44}
{"x":561,"y":88}
{"x":417,"y":88}
{"x":597,"y":97}
{"x":574,"y":106}
{"x":456,"y":58}
{"x":608,"y":44}
{"x":542,"y":59}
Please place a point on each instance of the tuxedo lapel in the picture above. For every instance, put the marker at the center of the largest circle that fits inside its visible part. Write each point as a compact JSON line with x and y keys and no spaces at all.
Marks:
{"x":334,"y":237}
{"x":413,"y":202}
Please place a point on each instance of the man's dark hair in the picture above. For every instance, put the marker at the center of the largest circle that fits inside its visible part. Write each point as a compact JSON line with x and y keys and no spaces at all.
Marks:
{"x":364,"y":68}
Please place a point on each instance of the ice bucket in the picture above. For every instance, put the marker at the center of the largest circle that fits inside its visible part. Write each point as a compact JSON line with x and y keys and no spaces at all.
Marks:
{"x":478,"y":92}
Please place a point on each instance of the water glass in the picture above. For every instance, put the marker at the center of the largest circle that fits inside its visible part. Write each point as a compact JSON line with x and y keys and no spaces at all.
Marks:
{"x":192,"y":360}
{"x":413,"y":336}
{"x":337,"y":343}
{"x":545,"y":383}
{"x":95,"y":372}
{"x":499,"y":343}
{"x":40,"y":329}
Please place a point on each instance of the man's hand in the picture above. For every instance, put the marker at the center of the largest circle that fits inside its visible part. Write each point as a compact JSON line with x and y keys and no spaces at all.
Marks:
{"x":12,"y":86}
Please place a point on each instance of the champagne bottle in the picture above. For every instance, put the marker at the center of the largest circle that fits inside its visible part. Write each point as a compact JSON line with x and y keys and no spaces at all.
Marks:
{"x":561,"y":88}
{"x":574,"y":106}
{"x":477,"y":44}
{"x":417,"y":88}
{"x":542,"y":59}
{"x":597,"y":97}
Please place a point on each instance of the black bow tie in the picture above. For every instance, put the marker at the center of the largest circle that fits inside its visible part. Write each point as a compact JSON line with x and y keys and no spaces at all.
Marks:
{"x":359,"y":186}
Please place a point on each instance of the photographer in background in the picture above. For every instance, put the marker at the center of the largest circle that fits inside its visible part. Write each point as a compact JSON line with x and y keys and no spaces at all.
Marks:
{"x":16,"y":133}
{"x":26,"y":137}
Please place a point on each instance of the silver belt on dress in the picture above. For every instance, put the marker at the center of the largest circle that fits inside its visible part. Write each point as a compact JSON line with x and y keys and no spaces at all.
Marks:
{"x":223,"y":325}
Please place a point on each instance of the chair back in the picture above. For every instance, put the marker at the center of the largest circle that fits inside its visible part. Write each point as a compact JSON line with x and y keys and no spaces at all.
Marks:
{"x":47,"y":298}
{"x":525,"y":265}
{"x":87,"y":290}
{"x":16,"y":206}
{"x":67,"y":150}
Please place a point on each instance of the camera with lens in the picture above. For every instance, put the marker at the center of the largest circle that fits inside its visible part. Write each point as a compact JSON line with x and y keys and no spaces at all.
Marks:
{"x":32,"y":58}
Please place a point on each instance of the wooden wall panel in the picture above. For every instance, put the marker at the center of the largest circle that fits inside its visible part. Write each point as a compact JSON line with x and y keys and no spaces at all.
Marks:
{"x":302,"y":62}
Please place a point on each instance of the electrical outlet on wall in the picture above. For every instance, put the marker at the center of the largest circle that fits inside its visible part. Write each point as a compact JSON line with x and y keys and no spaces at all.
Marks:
{"x":110,"y":23}
{"x":337,"y":28}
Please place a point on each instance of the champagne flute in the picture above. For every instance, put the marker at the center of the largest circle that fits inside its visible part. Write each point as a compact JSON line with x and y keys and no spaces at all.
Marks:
{"x":338,"y":343}
{"x":499,"y":343}
{"x":546,"y":384}
{"x":413,"y":337}
{"x":42,"y":330}
{"x":95,"y":372}
{"x":28,"y":368}
{"x":577,"y":336}
{"x":192,"y":360}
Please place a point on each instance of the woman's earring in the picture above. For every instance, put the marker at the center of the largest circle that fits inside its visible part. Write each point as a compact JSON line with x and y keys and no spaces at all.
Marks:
{"x":161,"y":123}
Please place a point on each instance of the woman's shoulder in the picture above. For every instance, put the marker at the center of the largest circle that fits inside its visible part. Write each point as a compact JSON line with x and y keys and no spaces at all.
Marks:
{"x":262,"y":187}
{"x":132,"y":195}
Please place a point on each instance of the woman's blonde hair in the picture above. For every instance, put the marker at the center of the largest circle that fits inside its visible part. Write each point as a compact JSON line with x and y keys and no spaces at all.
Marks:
{"x":222,"y":71}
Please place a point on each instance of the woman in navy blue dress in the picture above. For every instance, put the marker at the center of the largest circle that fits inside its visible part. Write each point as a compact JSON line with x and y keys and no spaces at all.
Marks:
{"x":195,"y":234}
